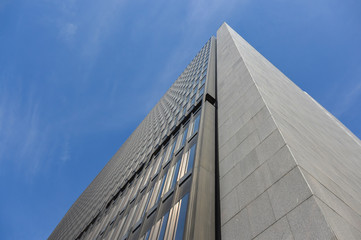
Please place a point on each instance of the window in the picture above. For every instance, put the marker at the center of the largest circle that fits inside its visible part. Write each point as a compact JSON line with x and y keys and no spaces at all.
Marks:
{"x":119,"y":228}
{"x":106,"y":218}
{"x":194,"y":91}
{"x":129,"y":220}
{"x":184,"y":111}
{"x":172,"y":224}
{"x":127,"y":195}
{"x":157,"y":192}
{"x":196,"y":124}
{"x":171,"y":178}
{"x":205,"y":67}
{"x":185,"y":133}
{"x":176,"y":220}
{"x":161,"y":188}
{"x":136,"y":187}
{"x":179,"y":228}
{"x":187,"y":98}
{"x":152,"y":234}
{"x":142,"y":206}
{"x":187,"y":162}
{"x":201,"y":91}
{"x":204,"y":73}
{"x":146,"y":178}
{"x":172,"y":149}
{"x":163,"y":227}
{"x":159,"y":161}
{"x":193,"y":101}
{"x":118,"y":206}
{"x":192,"y":152}
{"x":154,"y":194}
{"x":203,"y":80}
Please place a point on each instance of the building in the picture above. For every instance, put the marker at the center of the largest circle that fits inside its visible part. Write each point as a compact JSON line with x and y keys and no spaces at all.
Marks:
{"x":233,"y":150}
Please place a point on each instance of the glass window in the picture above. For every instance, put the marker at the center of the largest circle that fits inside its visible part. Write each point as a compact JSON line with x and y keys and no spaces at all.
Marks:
{"x":187,"y":162}
{"x":105,"y":220}
{"x":205,"y":67}
{"x":176,"y":220}
{"x":178,"y":140}
{"x":127,"y":195}
{"x":119,"y":228}
{"x":179,"y":229}
{"x":168,"y":180}
{"x":163,"y":227}
{"x":117,"y":207}
{"x":182,"y":165}
{"x":196,"y":124}
{"x":146,"y":236}
{"x":160,"y":160}
{"x":161,"y":188}
{"x":172,"y":149}
{"x":157,"y":191}
{"x":147,"y":175}
{"x":192,"y":152}
{"x":171,"y":178}
{"x":201,"y":91}
{"x":153,"y":232}
{"x":175,"y":175}
{"x":156,"y":165}
{"x":154,"y":194}
{"x":173,"y":218}
{"x":129,"y":221}
{"x":193,"y":100}
{"x":194,"y":91}
{"x":184,"y":111}
{"x":204,"y":73}
{"x":203,"y":80}
{"x":185,"y":133}
{"x":132,"y":190}
{"x":142,"y":206}
{"x":136,"y":187}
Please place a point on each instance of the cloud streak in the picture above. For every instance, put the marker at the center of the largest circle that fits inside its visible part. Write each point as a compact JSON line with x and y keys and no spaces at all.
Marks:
{"x":23,"y":138}
{"x":348,"y":93}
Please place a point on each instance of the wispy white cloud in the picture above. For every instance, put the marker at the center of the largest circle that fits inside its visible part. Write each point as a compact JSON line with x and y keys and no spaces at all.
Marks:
{"x":98,"y":22}
{"x":347,"y":94}
{"x":23,"y":138}
{"x":68,"y":31}
{"x":65,"y":156}
{"x":348,"y":99}
{"x":87,"y":25}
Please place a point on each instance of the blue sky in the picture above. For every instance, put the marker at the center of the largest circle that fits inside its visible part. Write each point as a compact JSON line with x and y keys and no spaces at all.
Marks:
{"x":77,"y":77}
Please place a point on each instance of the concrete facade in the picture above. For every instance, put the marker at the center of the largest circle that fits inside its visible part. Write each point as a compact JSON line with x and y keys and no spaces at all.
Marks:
{"x":288,"y":168}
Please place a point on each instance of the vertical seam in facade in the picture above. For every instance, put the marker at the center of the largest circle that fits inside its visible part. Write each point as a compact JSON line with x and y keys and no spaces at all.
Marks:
{"x":217,"y":190}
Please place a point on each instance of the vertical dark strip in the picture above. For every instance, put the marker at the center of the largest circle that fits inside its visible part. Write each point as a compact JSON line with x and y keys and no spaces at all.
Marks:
{"x":217,"y":191}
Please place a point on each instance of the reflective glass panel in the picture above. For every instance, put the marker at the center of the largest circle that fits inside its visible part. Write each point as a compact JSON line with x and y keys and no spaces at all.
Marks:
{"x":191,"y":158}
{"x":182,"y":218}
{"x":196,"y":124}
{"x":163,"y":227}
{"x":172,"y":150}
{"x":184,"y":136}
{"x":168,"y":181}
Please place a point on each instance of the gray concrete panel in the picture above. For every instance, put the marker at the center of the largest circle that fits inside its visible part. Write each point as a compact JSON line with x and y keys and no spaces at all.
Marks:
{"x":307,"y":221}
{"x":296,"y":136}
{"x":280,"y":230}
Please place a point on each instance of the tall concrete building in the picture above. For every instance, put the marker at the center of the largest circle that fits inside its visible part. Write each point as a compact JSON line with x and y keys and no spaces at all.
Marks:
{"x":233,"y":150}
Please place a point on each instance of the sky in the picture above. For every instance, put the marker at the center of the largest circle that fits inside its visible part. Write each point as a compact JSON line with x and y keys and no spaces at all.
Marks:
{"x":78,"y":76}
